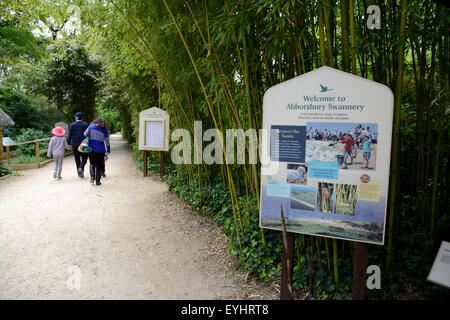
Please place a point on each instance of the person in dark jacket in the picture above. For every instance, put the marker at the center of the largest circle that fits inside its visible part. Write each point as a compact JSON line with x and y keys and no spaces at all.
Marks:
{"x":76,"y":136}
{"x":98,"y":138}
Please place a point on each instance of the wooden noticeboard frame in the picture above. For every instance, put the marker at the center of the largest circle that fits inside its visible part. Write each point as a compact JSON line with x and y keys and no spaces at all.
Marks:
{"x":154,"y":115}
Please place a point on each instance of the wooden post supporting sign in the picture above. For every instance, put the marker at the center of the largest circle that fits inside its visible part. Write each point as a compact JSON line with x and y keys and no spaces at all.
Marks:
{"x":287,"y":260}
{"x":359,"y":271}
{"x":145,"y":163}
{"x":161,"y":164}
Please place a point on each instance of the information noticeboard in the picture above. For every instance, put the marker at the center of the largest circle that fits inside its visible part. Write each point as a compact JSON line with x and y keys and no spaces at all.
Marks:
{"x":329,"y":149}
{"x":154,"y":130}
{"x":440,"y":272}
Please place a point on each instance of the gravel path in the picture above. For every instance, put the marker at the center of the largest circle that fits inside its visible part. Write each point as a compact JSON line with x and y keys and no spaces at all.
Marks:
{"x":127,"y":239}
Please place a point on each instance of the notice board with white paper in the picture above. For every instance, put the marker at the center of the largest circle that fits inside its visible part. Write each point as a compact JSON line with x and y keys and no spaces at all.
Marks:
{"x":154,"y":133}
{"x":154,"y":130}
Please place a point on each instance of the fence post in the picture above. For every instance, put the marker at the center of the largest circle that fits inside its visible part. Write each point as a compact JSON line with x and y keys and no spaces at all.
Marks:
{"x":1,"y":145}
{"x":38,"y":163}
{"x":8,"y":155}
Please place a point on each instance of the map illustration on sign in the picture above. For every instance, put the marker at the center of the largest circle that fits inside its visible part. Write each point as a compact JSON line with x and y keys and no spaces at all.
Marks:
{"x":330,"y":134}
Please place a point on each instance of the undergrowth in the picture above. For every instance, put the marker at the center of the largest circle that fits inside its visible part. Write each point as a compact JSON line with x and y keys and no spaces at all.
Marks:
{"x":316,"y":276}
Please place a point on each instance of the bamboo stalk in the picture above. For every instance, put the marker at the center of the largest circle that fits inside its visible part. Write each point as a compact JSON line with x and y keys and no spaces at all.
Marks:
{"x":328,"y":255}
{"x":326,"y":19}
{"x":396,"y":134}
{"x":352,"y":35}
{"x":321,"y":38}
{"x":435,"y":179}
{"x":344,"y":35}
{"x":335,"y":263}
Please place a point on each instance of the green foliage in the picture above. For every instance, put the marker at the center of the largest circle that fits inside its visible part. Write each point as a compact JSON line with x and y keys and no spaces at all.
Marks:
{"x":70,"y":79}
{"x":19,"y":107}
{"x":17,"y":42}
{"x":29,"y":134}
{"x":107,"y":109}
{"x":27,"y":112}
{"x":4,"y":170}
{"x":213,"y":60}
{"x":26,"y":158}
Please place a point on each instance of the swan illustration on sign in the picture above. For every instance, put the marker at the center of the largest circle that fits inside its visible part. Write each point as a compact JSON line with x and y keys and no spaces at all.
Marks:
{"x":324,"y":89}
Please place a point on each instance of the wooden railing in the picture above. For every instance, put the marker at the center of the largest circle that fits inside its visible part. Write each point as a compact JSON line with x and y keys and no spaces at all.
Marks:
{"x":38,"y":152}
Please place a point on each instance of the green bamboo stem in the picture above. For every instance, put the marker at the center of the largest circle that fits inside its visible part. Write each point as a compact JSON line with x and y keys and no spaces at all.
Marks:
{"x":321,"y":37}
{"x":335,"y":263}
{"x":328,"y":255}
{"x":396,"y":133}
{"x":435,"y":179}
{"x":344,"y":35}
{"x":326,"y":19}
{"x":235,"y":203}
{"x":352,"y":35}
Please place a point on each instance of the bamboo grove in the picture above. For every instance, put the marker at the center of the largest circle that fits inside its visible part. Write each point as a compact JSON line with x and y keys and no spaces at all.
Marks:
{"x":212,"y":61}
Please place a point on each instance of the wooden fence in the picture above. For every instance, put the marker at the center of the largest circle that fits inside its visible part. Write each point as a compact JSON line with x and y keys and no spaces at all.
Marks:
{"x":38,"y":152}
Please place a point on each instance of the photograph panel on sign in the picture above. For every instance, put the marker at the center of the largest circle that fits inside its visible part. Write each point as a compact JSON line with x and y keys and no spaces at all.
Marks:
{"x":346,"y":197}
{"x":325,"y":195}
{"x":303,"y":198}
{"x":352,"y":145}
{"x":297,"y":174}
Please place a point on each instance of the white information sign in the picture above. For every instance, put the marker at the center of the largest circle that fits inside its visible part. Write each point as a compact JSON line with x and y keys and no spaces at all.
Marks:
{"x":329,"y":149}
{"x":154,"y":130}
{"x":440,"y":272}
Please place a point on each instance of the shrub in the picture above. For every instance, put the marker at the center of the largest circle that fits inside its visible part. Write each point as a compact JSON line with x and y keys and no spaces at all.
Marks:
{"x":4,"y":170}
{"x":29,"y":135}
{"x":27,"y":112}
{"x":112,"y":115}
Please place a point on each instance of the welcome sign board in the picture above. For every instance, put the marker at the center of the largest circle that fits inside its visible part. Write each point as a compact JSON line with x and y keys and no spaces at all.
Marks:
{"x":329,"y":148}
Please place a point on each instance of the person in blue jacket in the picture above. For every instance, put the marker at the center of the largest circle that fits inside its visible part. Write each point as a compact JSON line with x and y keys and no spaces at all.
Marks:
{"x":76,"y":136}
{"x":98,"y":138}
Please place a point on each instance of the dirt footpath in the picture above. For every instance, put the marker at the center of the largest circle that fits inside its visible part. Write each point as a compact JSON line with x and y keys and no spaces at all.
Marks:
{"x":126,"y":239}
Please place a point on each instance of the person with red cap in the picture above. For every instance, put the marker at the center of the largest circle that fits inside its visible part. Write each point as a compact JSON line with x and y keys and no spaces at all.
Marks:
{"x":56,"y":148}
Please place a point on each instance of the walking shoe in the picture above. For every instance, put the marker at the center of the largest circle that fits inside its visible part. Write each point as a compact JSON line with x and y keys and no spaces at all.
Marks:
{"x":54,"y":175}
{"x":80,"y":173}
{"x":92,"y":181}
{"x":98,"y":183}
{"x":103,"y":175}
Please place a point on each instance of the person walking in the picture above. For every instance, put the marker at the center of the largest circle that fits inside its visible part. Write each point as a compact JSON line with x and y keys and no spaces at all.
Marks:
{"x":98,"y":137}
{"x":76,"y":136}
{"x":56,"y":148}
